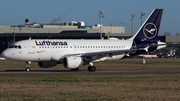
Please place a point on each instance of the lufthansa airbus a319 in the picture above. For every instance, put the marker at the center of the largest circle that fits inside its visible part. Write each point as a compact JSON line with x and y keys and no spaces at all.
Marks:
{"x":73,"y":54}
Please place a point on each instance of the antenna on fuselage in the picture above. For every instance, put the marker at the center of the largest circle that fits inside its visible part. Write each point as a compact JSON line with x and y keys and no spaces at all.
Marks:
{"x":102,"y":38}
{"x":30,"y":38}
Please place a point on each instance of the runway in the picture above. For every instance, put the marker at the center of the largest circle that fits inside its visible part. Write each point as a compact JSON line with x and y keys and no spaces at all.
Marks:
{"x":20,"y":73}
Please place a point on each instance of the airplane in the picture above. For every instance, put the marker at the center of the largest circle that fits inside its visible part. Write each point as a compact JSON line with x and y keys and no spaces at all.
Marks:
{"x":73,"y":54}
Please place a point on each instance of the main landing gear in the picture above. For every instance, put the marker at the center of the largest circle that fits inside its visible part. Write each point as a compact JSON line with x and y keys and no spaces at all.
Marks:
{"x":28,"y":66}
{"x":91,"y":68}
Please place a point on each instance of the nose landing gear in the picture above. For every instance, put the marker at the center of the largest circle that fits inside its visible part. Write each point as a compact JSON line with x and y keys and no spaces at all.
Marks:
{"x":28,"y":66}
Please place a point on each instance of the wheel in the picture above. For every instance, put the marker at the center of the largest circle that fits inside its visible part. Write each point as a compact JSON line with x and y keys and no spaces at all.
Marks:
{"x":27,"y":69}
{"x":76,"y":69}
{"x":91,"y":68}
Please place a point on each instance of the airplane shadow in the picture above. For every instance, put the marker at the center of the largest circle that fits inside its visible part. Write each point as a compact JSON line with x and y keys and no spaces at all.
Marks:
{"x":44,"y":71}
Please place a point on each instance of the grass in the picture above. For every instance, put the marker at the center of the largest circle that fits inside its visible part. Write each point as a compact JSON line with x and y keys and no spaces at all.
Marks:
{"x":93,"y":88}
{"x":119,"y":64}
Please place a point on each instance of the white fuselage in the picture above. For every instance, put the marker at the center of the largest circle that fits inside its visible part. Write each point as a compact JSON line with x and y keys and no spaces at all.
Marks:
{"x":53,"y":50}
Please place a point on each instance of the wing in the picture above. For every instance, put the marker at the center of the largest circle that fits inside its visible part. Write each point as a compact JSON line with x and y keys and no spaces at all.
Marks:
{"x":97,"y":55}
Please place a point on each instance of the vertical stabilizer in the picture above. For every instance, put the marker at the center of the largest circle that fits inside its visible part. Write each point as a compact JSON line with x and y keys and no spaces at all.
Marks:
{"x":150,"y":28}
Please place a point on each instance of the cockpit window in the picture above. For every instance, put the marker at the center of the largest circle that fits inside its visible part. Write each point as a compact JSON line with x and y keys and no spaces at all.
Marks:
{"x":11,"y":46}
{"x":19,"y":46}
{"x":15,"y":46}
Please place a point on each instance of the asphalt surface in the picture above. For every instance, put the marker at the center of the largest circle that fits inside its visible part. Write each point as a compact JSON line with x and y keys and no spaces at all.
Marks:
{"x":20,"y":73}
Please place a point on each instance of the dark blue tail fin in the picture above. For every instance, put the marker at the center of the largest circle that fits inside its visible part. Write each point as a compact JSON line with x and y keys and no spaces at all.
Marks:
{"x":145,"y":40}
{"x":149,"y":30}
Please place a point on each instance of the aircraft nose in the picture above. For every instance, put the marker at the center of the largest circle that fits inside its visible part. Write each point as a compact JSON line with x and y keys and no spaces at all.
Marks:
{"x":4,"y":54}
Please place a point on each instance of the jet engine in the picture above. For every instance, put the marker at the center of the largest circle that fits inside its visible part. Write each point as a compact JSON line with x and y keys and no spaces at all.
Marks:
{"x":73,"y":62}
{"x":47,"y":64}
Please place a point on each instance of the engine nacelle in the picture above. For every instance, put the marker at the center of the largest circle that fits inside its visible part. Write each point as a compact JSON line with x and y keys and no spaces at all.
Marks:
{"x":73,"y":62}
{"x":47,"y":64}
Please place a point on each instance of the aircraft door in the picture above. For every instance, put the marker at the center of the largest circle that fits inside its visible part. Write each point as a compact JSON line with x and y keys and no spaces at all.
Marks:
{"x":75,"y":47}
{"x":31,"y":48}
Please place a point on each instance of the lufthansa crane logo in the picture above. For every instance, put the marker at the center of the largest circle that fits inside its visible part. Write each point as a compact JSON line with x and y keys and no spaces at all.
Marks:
{"x":150,"y":30}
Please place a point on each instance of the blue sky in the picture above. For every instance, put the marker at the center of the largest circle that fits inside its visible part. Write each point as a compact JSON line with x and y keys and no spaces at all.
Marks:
{"x":117,"y":12}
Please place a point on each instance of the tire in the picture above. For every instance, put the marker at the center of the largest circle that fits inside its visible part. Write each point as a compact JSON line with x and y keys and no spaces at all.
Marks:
{"x":91,"y":68}
{"x":27,"y":69}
